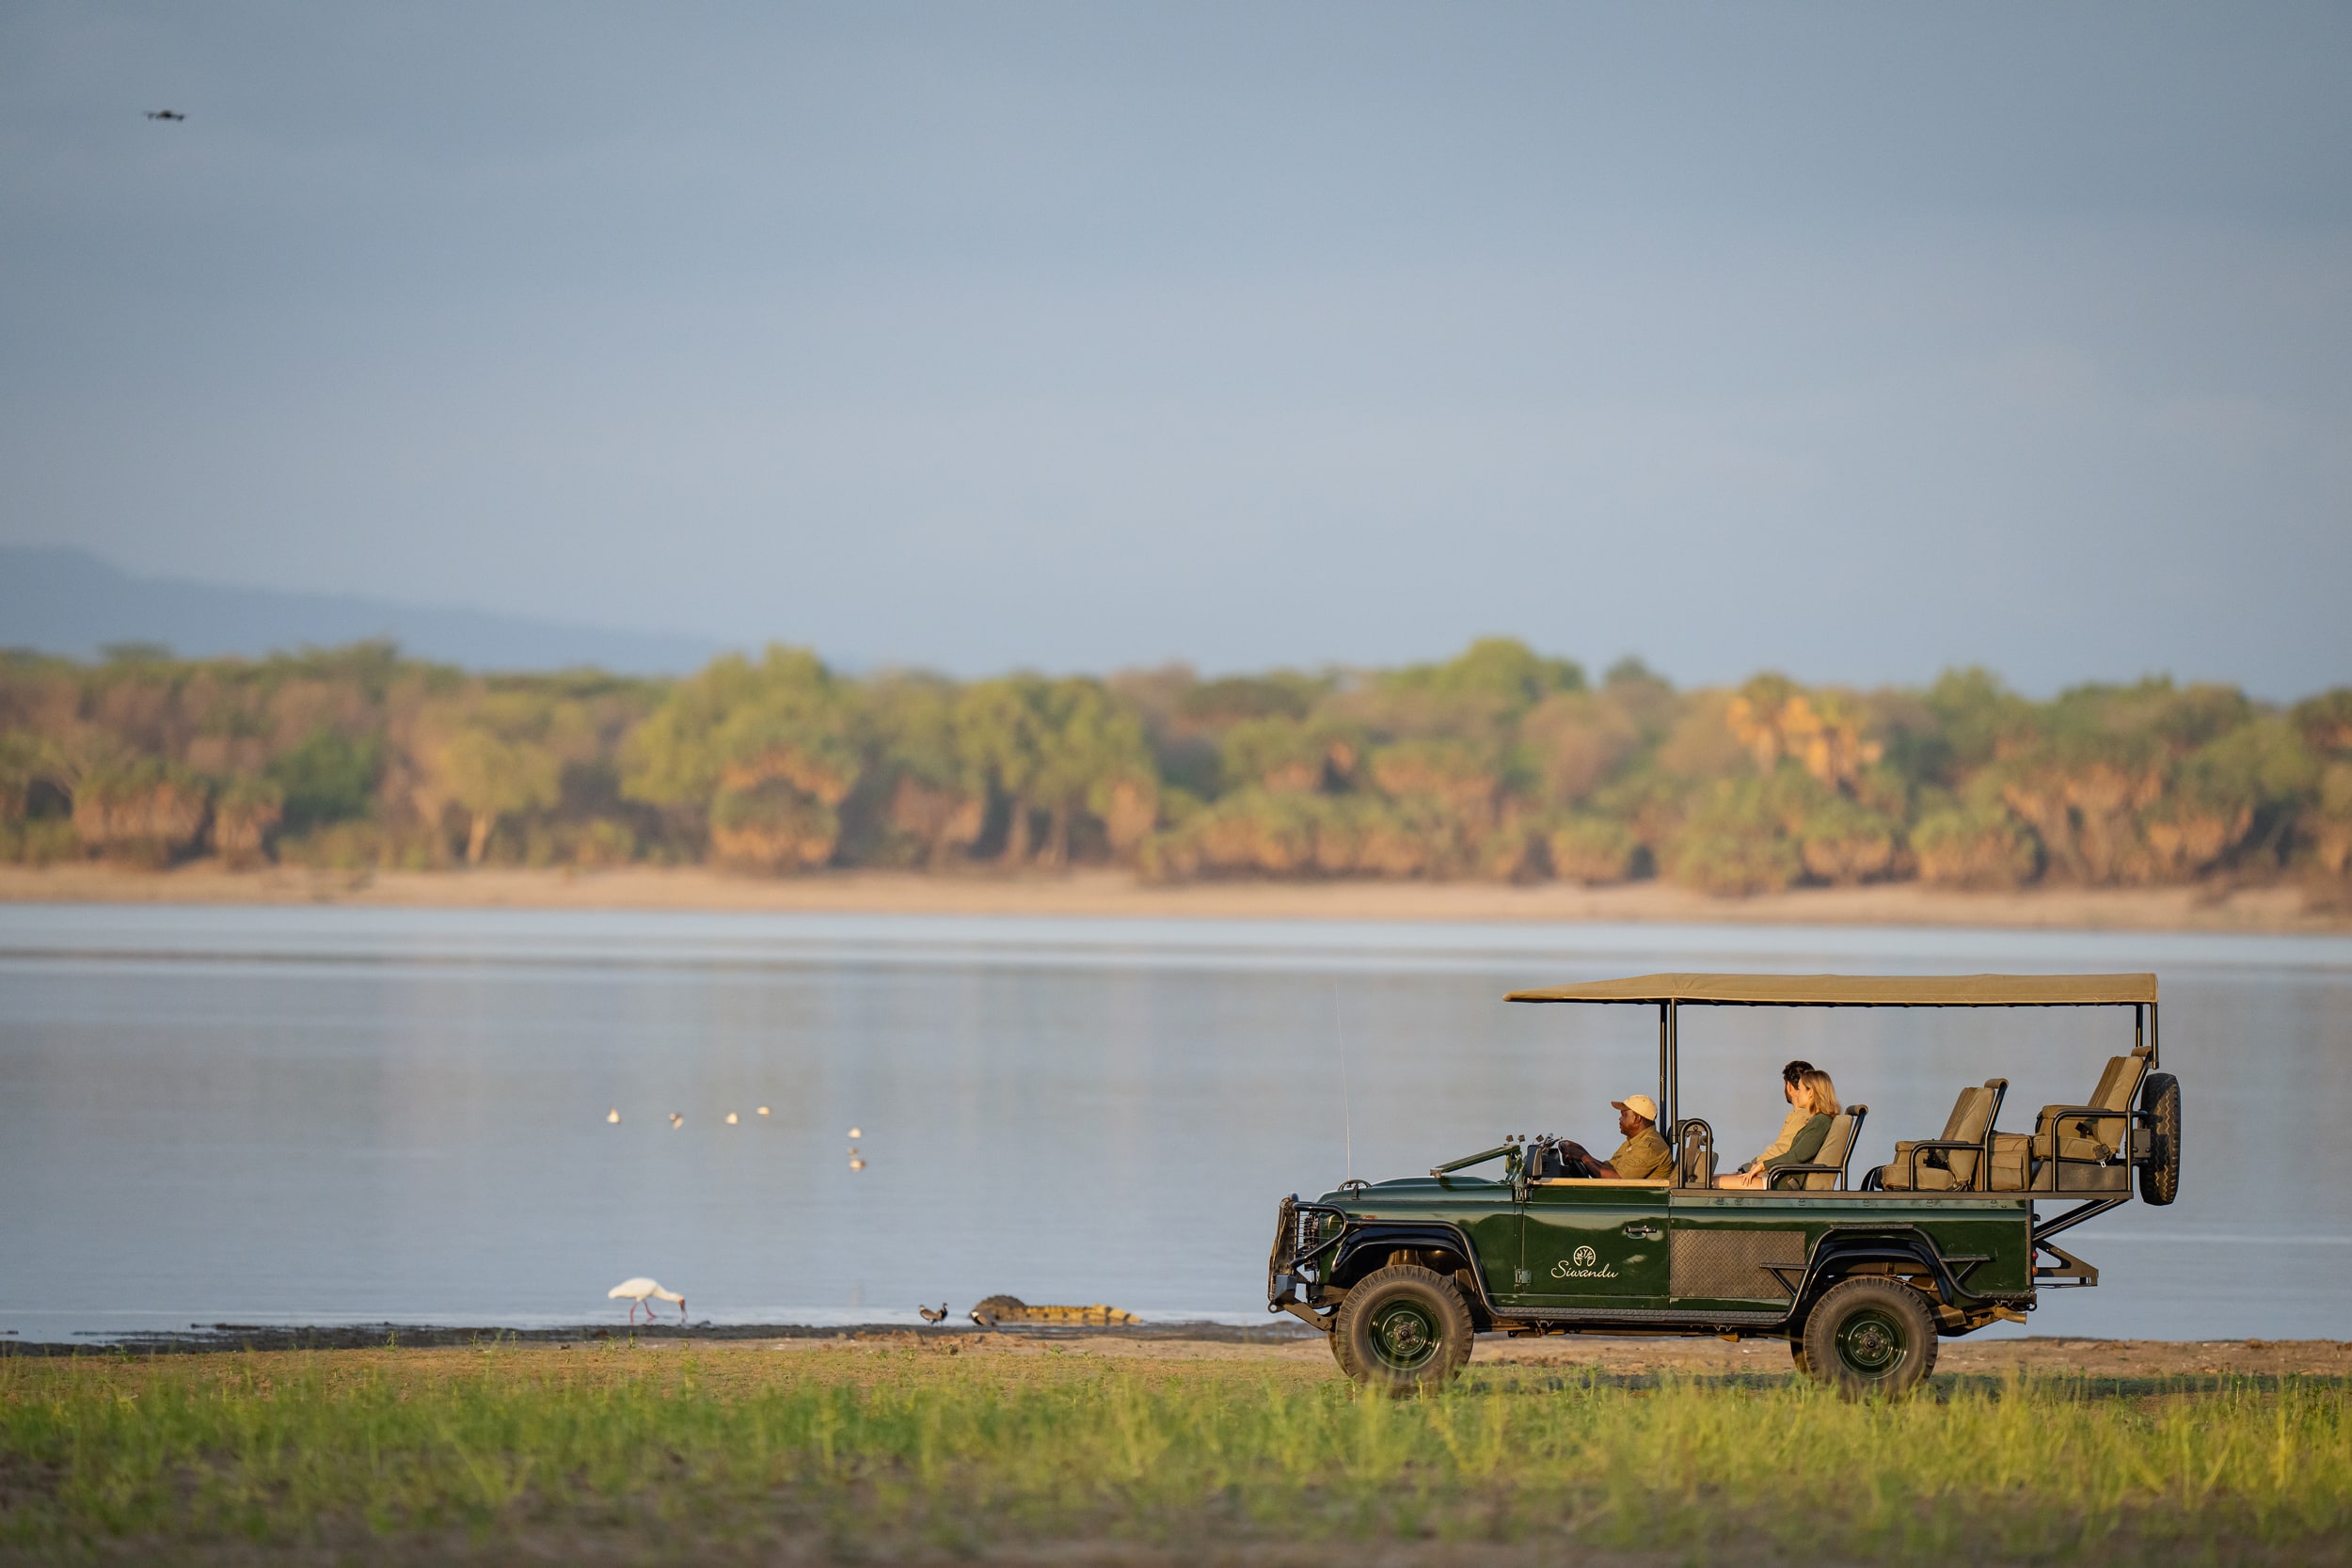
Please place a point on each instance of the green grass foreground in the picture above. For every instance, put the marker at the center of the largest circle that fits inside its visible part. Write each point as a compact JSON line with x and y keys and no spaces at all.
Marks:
{"x":856,"y":1453}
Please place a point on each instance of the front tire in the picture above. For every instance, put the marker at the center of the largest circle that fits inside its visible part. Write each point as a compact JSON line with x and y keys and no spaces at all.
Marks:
{"x":1403,"y":1329}
{"x":1869,"y":1337}
{"x":1339,"y":1354}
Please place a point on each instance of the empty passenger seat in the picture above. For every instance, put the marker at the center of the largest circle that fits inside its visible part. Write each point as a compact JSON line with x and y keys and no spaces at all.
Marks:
{"x":2074,"y":1145}
{"x":1951,"y":1162}
{"x":1696,"y":1163}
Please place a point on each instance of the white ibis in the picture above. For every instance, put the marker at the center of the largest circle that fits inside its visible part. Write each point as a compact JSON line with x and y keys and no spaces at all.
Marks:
{"x":636,"y":1292}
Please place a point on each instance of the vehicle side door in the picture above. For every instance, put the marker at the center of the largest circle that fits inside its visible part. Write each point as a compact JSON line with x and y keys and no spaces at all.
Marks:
{"x":1592,"y":1244}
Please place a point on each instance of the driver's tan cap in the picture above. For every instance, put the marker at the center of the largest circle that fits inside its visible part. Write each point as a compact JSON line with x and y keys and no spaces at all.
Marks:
{"x":1639,"y":1104}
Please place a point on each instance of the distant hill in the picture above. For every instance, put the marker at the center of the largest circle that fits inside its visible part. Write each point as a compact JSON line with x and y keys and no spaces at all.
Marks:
{"x":67,"y":601}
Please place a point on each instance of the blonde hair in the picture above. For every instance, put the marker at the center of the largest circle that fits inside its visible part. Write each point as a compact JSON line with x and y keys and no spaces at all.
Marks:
{"x":1816,"y":1082}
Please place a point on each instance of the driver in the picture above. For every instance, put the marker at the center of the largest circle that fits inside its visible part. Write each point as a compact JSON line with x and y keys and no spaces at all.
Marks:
{"x":1642,"y":1157}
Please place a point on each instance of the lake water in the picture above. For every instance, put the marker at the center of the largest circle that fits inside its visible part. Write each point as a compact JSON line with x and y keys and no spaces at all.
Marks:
{"x":338,"y":1114}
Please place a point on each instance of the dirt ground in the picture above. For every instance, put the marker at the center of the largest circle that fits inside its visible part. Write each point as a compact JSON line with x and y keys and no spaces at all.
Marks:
{"x":1106,"y":893}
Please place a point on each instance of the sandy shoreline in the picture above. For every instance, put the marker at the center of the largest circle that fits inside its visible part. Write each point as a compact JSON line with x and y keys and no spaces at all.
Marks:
{"x":1117,"y":894}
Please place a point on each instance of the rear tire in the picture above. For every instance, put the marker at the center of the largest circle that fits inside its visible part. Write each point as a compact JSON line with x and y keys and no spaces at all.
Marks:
{"x":1869,"y":1337}
{"x":1403,"y":1329}
{"x":2160,"y":1178}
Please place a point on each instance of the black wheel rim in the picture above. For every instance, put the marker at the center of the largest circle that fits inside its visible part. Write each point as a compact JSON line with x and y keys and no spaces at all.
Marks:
{"x":1872,"y":1344}
{"x":1404,"y":1335}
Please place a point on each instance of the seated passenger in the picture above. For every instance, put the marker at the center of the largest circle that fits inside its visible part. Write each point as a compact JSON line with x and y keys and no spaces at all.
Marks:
{"x":1814,"y":1094}
{"x":1642,"y":1157}
{"x":1795,"y":1118}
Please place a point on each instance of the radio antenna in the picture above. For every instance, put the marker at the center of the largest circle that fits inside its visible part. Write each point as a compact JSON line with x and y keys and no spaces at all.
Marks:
{"x":1347,"y":1108}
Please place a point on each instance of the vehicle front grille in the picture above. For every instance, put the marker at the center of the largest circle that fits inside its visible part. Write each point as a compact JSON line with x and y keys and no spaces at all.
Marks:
{"x":1287,"y":1223}
{"x":1728,"y":1265}
{"x":1299,"y":1231}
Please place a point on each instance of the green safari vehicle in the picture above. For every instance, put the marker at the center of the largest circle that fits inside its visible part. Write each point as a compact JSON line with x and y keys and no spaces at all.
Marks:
{"x":1860,"y":1277}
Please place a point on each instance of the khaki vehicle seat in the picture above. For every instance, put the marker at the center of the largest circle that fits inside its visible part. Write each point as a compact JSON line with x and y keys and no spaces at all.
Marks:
{"x":2077,"y":1135}
{"x":1826,"y":1171}
{"x":1946,"y":1169}
{"x":1695,"y":1165}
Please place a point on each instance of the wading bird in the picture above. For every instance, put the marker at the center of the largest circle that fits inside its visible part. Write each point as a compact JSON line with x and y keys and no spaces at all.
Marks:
{"x":635,"y":1293}
{"x":931,"y":1317}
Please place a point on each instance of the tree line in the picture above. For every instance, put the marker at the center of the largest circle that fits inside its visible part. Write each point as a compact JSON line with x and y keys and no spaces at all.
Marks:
{"x":1499,"y":764}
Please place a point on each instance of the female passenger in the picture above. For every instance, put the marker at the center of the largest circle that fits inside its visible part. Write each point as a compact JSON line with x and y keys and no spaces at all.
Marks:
{"x":1814,"y":1094}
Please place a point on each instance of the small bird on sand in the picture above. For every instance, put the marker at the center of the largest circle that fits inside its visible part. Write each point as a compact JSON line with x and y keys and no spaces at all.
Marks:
{"x":165,"y":113}
{"x":635,"y":1293}
{"x":730,"y":1118}
{"x":855,"y":1134}
{"x":763,"y":1110}
{"x":677,"y":1118}
{"x":613,"y":1115}
{"x":931,"y":1317}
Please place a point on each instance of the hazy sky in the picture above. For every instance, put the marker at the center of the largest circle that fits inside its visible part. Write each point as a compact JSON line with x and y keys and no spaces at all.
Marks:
{"x":1856,"y":341}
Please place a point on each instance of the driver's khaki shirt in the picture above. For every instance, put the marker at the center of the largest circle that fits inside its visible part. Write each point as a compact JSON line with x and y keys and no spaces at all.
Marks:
{"x":1642,"y":1157}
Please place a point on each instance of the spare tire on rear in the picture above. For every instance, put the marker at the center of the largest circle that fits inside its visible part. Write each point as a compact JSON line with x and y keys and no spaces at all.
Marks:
{"x":2160,"y":1176}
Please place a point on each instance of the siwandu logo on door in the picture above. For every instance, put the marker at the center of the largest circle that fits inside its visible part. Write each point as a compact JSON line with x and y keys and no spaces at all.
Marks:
{"x":1583,"y":1263}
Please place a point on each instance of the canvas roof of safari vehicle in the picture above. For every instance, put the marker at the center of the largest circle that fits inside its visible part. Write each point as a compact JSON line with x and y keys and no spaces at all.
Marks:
{"x":1861,"y":990}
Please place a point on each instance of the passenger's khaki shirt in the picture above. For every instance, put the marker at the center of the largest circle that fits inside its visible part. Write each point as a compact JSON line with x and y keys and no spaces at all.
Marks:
{"x":1779,"y":1146}
{"x":1642,"y":1157}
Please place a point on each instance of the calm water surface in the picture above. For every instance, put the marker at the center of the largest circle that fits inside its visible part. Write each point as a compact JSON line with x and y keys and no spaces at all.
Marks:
{"x":340,"y":1115}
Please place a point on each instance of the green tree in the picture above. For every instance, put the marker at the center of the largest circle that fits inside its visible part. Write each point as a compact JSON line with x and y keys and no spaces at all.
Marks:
{"x":494,"y":772}
{"x":1501,"y":670}
{"x":244,"y":812}
{"x":763,"y":755}
{"x":328,"y":777}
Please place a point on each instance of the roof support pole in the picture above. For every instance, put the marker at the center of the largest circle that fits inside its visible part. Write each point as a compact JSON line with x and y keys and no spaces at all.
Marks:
{"x":2155,"y":1052}
{"x":1665,"y":1117}
{"x":1672,"y":1107}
